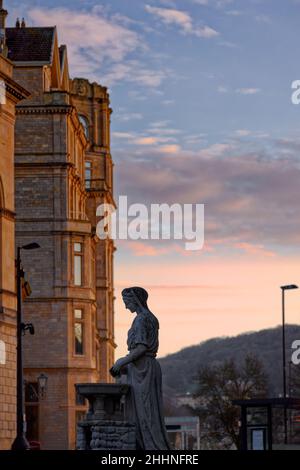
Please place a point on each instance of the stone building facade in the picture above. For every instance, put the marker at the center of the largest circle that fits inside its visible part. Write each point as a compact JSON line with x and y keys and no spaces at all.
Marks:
{"x":10,"y":94}
{"x":63,"y":170}
{"x":92,"y":103}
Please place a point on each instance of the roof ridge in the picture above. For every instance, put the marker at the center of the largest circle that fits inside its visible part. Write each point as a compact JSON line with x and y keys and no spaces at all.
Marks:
{"x":30,"y":27}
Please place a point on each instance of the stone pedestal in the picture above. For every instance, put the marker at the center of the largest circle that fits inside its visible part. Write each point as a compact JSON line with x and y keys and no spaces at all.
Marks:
{"x":106,"y":425}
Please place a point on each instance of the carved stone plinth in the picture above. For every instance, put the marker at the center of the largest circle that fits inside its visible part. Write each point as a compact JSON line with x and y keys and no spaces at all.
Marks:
{"x":106,"y":425}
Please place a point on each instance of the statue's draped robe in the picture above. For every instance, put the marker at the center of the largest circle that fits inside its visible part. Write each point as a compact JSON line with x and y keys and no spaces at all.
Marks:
{"x":145,"y":378}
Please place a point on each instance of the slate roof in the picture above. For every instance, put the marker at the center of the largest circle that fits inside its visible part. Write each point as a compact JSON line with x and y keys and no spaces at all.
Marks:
{"x":30,"y":44}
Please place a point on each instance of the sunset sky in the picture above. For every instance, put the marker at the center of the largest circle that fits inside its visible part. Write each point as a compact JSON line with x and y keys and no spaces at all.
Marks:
{"x":201,"y":93}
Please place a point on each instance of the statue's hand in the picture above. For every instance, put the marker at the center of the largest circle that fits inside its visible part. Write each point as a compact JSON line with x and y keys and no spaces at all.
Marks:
{"x":116,"y":368}
{"x":112,"y":372}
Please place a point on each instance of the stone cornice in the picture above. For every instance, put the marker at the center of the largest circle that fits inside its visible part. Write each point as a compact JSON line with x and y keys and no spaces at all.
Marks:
{"x":14,"y":89}
{"x":45,"y":109}
{"x":72,"y":299}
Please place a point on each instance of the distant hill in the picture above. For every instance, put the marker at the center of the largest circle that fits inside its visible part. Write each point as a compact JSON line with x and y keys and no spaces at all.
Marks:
{"x":179,"y":368}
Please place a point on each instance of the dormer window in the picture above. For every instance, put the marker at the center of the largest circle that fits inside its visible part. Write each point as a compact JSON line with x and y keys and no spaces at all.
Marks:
{"x":83,"y":120}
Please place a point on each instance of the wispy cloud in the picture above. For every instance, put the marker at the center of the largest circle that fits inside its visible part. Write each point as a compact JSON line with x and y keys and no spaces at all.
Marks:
{"x":99,"y":42}
{"x":152,"y":140}
{"x":248,"y":91}
{"x":137,"y":95}
{"x":243,"y":212}
{"x":123,"y":135}
{"x":234,"y":12}
{"x":160,"y":128}
{"x":194,"y":139}
{"x":222,"y":89}
{"x":160,"y":124}
{"x":170,"y":149}
{"x":215,"y":150}
{"x":135,"y":72}
{"x":240,"y":91}
{"x":201,"y":2}
{"x":92,"y":31}
{"x":154,"y":250}
{"x":182,"y":20}
{"x":144,"y":249}
{"x":263,"y":19}
{"x":223,"y":3}
{"x":229,"y":44}
{"x":160,"y":142}
{"x":253,"y":249}
{"x":166,"y":131}
{"x":214,"y":3}
{"x":242,"y":132}
{"x":125,"y":117}
{"x":168,"y":102}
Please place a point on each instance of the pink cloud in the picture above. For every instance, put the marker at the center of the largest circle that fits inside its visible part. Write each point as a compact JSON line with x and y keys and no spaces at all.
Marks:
{"x":144,"y":249}
{"x":254,"y":249}
{"x":170,"y":148}
{"x":238,"y":190}
{"x":182,"y":20}
{"x":196,"y":301}
{"x":108,"y":41}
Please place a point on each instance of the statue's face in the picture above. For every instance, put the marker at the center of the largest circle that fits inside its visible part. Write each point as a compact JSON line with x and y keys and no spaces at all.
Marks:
{"x":130,"y":304}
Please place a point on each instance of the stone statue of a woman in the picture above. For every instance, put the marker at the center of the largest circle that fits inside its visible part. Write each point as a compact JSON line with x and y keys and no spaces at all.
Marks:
{"x":143,"y":373}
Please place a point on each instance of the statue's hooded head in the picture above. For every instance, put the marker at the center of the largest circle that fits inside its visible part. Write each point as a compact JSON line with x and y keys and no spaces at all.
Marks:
{"x":135,"y":297}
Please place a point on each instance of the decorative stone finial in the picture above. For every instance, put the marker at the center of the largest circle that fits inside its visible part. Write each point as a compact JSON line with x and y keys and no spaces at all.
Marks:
{"x":23,"y":24}
{"x":18,"y":23}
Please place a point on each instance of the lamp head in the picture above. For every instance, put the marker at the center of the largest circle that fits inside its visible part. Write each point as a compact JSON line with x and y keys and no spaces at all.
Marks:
{"x":289,"y":287}
{"x":31,"y":246}
{"x":42,"y":383}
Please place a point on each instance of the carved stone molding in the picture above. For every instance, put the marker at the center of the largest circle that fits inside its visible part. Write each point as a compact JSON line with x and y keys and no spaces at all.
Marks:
{"x":44,"y":110}
{"x":7,"y":214}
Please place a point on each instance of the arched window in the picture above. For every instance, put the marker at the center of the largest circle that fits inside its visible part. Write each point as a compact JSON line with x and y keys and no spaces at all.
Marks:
{"x":85,"y":124}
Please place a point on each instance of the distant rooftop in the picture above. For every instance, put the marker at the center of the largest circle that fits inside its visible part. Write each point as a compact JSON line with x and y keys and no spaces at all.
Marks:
{"x":30,"y":44}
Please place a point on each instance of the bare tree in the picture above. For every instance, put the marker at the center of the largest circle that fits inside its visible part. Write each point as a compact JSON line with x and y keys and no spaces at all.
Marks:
{"x":217,"y":387}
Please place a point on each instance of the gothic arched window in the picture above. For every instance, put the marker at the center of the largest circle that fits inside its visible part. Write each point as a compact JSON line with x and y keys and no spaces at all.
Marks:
{"x":85,"y":124}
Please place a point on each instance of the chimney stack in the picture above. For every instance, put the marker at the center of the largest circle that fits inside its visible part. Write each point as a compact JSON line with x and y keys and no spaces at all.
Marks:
{"x":3,"y":15}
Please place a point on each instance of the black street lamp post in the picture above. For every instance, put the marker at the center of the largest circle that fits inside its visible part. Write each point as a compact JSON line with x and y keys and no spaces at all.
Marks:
{"x":20,"y":442}
{"x":283,"y":289}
